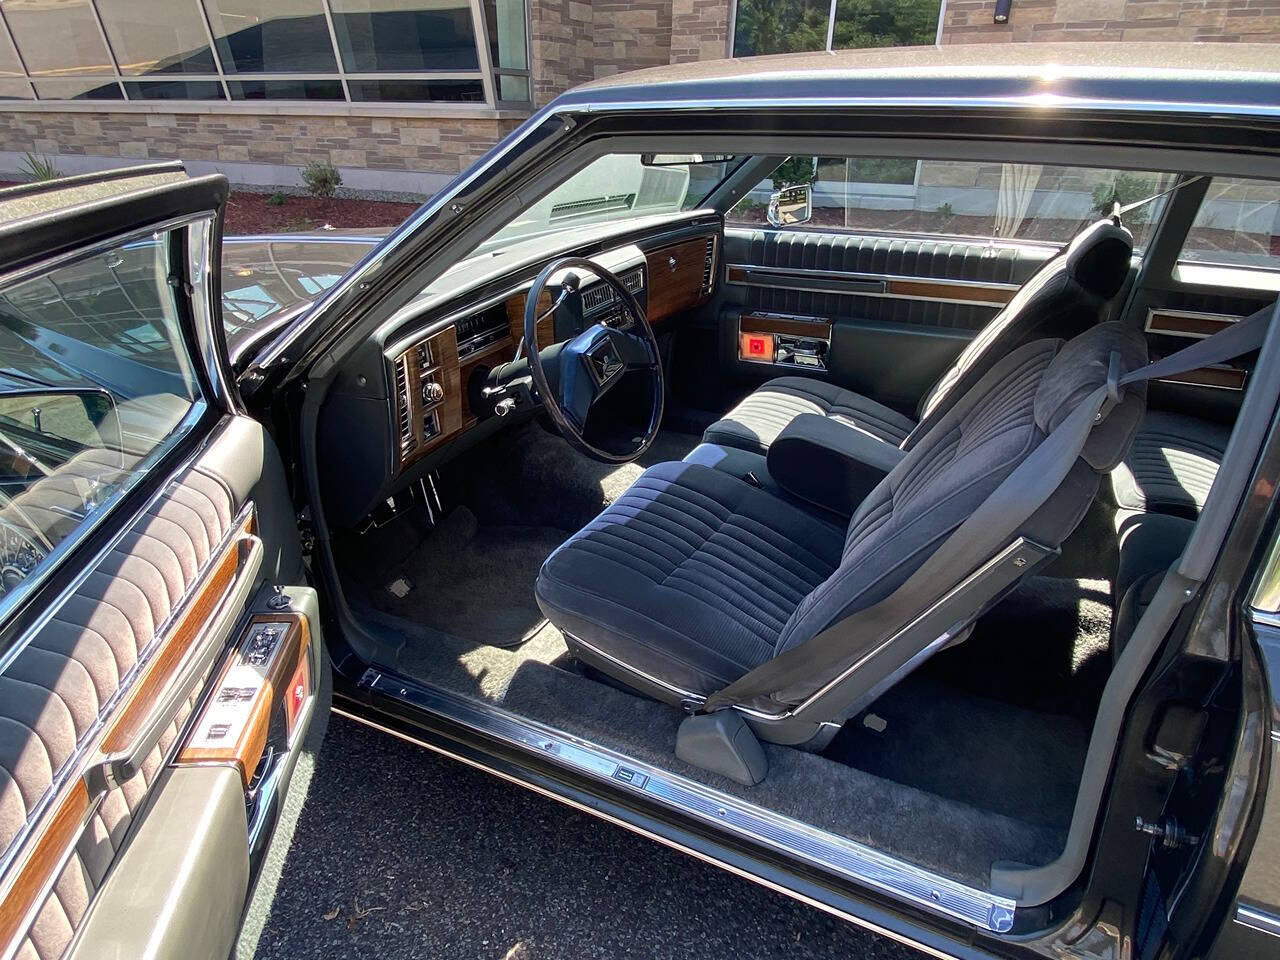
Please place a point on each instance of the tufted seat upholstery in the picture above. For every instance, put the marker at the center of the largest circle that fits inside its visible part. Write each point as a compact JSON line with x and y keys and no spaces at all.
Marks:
{"x":694,"y":577}
{"x":690,"y":559}
{"x":1066,"y":296}
{"x":1171,"y":466}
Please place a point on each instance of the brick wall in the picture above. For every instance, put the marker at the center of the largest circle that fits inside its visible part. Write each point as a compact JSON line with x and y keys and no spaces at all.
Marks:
{"x":969,"y":21}
{"x":574,"y":42}
{"x":699,"y":30}
{"x":399,"y":144}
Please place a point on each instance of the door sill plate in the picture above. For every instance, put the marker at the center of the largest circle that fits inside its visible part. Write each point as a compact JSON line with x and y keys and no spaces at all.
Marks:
{"x":845,"y":858}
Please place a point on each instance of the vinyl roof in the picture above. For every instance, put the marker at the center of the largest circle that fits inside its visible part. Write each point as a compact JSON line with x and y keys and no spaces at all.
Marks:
{"x":1244,"y":76}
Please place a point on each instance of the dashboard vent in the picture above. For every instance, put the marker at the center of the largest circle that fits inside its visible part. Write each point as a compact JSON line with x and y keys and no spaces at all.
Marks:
{"x":634,"y":281}
{"x":709,"y":267}
{"x":596,"y":296}
{"x":407,"y":440}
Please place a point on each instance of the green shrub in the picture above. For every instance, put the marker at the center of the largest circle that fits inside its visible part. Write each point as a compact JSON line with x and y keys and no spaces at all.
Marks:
{"x":946,"y":211}
{"x":37,"y":168}
{"x":277,"y":199}
{"x":322,"y":179}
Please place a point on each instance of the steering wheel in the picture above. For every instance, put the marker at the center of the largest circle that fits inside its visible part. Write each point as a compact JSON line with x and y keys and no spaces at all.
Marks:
{"x":572,"y":379}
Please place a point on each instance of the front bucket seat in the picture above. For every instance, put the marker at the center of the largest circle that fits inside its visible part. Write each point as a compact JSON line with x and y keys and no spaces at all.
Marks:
{"x":694,"y":577}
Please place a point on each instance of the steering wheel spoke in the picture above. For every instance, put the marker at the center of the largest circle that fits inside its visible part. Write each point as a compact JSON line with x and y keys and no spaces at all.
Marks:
{"x":593,"y":363}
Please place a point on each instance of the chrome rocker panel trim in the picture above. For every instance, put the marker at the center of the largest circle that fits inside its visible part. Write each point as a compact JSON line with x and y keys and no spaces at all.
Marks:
{"x":846,"y":858}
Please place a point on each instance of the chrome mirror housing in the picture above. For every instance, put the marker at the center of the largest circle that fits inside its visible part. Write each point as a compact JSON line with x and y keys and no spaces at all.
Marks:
{"x":791,"y":205}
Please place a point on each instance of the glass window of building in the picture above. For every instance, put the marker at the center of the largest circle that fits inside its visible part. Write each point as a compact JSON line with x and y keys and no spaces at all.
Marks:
{"x":149,"y":37}
{"x":285,"y":36}
{"x":780,"y":26}
{"x":78,"y":90}
{"x":285,"y":89}
{"x":58,"y":39}
{"x":508,"y":47}
{"x":414,"y":91}
{"x":885,"y":23}
{"x":10,"y":65}
{"x":1031,"y":203}
{"x":402,"y":35}
{"x":795,"y":26}
{"x":1238,"y":225}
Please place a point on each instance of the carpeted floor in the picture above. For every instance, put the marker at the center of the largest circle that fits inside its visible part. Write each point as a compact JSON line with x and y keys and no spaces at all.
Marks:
{"x":973,"y":759}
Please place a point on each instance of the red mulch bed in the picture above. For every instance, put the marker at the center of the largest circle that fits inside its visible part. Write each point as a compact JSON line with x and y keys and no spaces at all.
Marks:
{"x":250,"y":213}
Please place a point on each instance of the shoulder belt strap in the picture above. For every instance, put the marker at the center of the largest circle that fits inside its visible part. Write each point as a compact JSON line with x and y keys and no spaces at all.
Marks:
{"x":791,"y":677}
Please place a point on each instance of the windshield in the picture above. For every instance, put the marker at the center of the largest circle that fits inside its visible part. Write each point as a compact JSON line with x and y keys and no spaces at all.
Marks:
{"x":619,"y":186}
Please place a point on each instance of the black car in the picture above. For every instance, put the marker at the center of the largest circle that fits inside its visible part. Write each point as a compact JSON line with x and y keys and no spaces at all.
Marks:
{"x":856,"y":470}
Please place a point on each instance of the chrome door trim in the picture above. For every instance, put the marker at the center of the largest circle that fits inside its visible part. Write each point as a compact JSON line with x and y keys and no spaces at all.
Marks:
{"x":846,"y":858}
{"x":1261,"y":920}
{"x":644,"y":832}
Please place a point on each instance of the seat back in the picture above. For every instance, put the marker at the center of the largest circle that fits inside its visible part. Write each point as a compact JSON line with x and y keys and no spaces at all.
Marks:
{"x":1066,"y":296}
{"x":962,"y":460}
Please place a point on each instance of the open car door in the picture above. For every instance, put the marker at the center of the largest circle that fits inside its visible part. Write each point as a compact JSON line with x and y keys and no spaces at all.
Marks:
{"x":160,"y":655}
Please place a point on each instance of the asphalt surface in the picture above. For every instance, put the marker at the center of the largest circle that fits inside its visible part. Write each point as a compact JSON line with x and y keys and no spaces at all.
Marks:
{"x":400,"y":853}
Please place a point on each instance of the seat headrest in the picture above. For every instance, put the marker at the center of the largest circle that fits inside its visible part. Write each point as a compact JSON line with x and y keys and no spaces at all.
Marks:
{"x":1080,"y":367}
{"x":1098,"y":258}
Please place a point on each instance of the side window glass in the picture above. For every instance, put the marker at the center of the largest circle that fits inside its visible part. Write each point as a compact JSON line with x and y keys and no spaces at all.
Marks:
{"x":1237,"y":225}
{"x":95,"y":383}
{"x":1031,"y":203}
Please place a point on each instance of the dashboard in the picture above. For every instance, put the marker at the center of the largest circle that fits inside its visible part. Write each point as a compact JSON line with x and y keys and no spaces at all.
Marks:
{"x":437,"y":381}
{"x":414,"y":395}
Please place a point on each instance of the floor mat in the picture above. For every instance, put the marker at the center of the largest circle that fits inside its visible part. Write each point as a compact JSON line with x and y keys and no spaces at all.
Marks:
{"x":474,"y":582}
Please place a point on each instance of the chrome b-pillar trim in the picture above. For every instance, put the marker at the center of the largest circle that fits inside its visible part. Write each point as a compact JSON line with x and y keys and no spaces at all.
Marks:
{"x":845,"y":858}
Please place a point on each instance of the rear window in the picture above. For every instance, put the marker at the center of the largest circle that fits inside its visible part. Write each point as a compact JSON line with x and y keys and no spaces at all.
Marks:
{"x":1238,"y":225}
{"x":1035,"y":203}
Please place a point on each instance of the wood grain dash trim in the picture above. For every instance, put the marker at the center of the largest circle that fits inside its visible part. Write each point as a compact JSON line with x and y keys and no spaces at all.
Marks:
{"x":38,"y":870}
{"x":178,"y":641}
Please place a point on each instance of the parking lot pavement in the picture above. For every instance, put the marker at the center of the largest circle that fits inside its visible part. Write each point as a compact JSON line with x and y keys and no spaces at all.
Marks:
{"x":399,"y":853}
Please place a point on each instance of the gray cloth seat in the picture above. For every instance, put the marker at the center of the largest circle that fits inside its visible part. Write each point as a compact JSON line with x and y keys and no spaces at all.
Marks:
{"x":1067,"y":295}
{"x":1171,"y":466}
{"x":688,"y":577}
{"x":695,"y":576}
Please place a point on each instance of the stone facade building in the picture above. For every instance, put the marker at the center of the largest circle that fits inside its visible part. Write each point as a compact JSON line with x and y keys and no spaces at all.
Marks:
{"x":403,"y":96}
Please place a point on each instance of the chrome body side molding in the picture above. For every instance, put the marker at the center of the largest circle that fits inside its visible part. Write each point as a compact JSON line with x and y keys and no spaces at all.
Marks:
{"x":852,"y":861}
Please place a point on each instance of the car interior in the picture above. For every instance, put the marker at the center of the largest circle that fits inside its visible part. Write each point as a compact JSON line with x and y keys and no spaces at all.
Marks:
{"x":750,"y":470}
{"x":616,"y":493}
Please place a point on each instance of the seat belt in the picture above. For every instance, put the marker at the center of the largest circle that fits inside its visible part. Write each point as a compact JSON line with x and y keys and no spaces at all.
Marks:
{"x":790,"y":678}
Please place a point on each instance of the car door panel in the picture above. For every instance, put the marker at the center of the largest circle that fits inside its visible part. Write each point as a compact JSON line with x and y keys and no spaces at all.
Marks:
{"x":167,"y":612}
{"x":94,"y":701}
{"x":901,"y":309}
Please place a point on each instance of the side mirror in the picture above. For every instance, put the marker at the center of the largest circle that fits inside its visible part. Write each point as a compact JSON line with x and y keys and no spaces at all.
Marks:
{"x":791,"y":205}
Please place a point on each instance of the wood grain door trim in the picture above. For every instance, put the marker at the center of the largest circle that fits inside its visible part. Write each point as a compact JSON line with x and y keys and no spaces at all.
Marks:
{"x":33,"y":875}
{"x":818,"y":327}
{"x":1187,"y":323}
{"x":247,"y":750}
{"x":164,"y":663}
